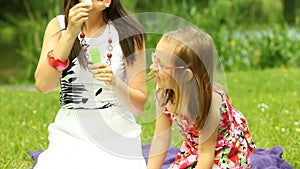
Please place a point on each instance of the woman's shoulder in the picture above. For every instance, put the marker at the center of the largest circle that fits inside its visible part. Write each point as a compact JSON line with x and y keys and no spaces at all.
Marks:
{"x":55,"y":25}
{"x":58,"y":21}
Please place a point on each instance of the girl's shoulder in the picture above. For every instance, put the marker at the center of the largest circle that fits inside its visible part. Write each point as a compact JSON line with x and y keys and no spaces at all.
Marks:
{"x":220,"y":100}
{"x":220,"y":92}
{"x":216,"y":104}
{"x":219,"y":96}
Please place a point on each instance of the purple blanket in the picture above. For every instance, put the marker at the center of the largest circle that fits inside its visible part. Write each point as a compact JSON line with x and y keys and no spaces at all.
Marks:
{"x":261,"y":159}
{"x":269,"y":159}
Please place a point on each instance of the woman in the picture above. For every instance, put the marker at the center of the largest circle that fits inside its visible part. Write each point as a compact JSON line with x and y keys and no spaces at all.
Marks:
{"x":96,"y":53}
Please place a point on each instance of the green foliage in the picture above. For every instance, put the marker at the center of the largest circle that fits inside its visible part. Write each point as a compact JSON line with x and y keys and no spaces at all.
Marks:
{"x":269,"y":99}
{"x":277,"y":47}
{"x":297,"y":19}
{"x":30,"y":45}
{"x":290,"y":10}
{"x":31,"y":34}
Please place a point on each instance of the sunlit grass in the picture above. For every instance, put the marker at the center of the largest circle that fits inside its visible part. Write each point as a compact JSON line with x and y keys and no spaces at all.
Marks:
{"x":24,"y":118}
{"x":269,"y":99}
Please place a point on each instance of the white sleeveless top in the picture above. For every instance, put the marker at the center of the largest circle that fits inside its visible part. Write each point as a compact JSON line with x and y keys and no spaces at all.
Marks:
{"x":79,"y":89}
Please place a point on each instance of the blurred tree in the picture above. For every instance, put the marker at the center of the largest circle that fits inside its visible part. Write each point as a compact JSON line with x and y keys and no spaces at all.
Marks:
{"x":12,"y":8}
{"x":162,"y":6}
{"x":22,"y":22}
{"x":290,"y":8}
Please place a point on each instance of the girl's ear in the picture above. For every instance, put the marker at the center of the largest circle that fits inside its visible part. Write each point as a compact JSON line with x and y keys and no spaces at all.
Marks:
{"x":188,"y":75}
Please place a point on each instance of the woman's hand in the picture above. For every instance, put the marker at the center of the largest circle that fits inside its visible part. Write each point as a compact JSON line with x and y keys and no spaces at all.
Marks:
{"x":78,"y":14}
{"x":102,"y":72}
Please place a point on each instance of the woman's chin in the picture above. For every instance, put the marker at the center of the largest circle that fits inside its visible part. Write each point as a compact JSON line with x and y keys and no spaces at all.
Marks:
{"x":99,"y":6}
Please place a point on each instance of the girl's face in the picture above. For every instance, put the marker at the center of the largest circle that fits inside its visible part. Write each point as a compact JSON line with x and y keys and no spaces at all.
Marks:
{"x":163,"y":67}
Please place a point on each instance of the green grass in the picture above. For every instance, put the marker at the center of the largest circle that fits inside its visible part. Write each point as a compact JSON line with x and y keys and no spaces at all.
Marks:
{"x":279,"y":123}
{"x":25,"y":115}
{"x":278,"y":89}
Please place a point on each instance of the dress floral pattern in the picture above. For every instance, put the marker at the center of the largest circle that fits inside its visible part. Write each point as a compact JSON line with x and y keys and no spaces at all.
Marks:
{"x":234,"y":142}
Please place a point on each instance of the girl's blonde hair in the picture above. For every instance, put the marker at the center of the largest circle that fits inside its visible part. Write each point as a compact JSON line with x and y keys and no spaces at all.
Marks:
{"x":197,"y":50}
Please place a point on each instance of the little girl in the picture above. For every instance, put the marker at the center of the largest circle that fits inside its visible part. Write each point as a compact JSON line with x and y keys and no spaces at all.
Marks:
{"x":215,"y":134}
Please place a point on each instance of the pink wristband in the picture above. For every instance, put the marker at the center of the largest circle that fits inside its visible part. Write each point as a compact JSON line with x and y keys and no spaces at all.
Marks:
{"x":56,"y":63}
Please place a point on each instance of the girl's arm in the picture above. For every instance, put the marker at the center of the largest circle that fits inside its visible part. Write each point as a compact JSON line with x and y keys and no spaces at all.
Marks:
{"x":161,"y":142}
{"x":46,"y":77}
{"x":207,"y":152}
{"x":207,"y":148}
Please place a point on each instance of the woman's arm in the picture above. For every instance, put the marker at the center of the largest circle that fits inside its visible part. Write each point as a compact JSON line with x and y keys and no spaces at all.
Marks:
{"x":46,"y":77}
{"x":134,"y":95}
{"x":161,"y":141}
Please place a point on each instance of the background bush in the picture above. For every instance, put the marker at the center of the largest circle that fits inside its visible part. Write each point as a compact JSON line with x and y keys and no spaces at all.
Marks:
{"x":22,"y":28}
{"x":249,"y":34}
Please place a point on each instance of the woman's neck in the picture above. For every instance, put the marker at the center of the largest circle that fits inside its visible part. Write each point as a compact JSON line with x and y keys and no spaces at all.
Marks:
{"x":95,"y":24}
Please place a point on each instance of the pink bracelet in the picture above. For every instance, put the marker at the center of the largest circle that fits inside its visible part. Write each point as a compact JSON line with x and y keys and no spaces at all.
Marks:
{"x":56,"y":63}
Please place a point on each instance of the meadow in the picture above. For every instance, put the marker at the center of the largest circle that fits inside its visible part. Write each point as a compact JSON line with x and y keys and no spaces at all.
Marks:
{"x":268,"y":98}
{"x":256,"y":41}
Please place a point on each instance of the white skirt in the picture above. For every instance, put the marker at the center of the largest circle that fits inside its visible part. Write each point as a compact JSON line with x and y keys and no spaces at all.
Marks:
{"x":93,"y":139}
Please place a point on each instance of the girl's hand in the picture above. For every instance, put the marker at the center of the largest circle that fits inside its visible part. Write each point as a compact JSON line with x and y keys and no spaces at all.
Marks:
{"x":78,"y":14}
{"x":102,"y":72}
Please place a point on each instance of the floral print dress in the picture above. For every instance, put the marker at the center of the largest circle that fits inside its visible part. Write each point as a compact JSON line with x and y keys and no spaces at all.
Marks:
{"x":234,"y":142}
